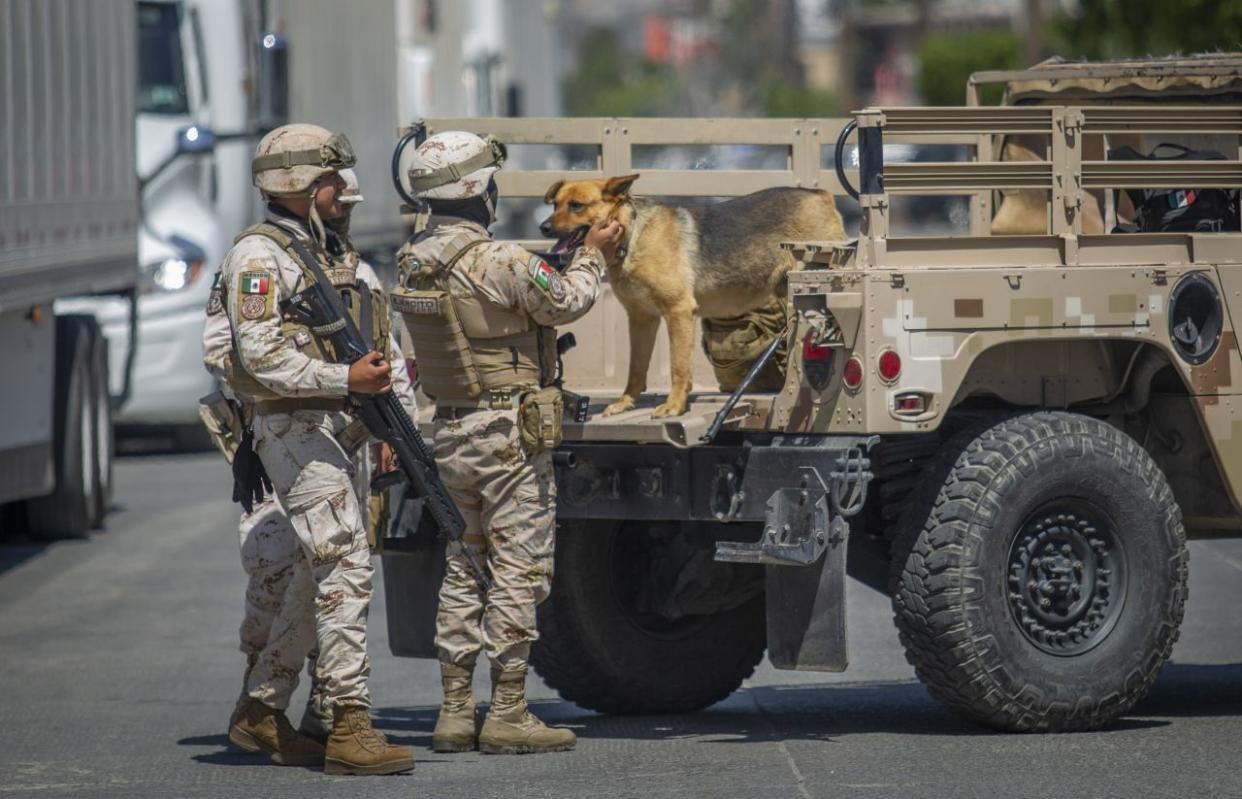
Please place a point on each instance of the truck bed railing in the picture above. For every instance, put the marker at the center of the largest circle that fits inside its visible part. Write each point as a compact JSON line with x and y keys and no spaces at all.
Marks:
{"x":1064,"y":176}
{"x":807,"y":143}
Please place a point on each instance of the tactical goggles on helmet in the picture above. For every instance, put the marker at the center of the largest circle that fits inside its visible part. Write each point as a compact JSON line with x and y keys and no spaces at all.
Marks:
{"x":493,"y":154}
{"x":336,"y":153}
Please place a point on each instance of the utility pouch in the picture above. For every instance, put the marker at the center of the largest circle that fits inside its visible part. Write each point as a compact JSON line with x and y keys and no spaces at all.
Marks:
{"x":446,"y":366}
{"x":539,"y":420}
{"x":353,"y":436}
{"x":223,"y":419}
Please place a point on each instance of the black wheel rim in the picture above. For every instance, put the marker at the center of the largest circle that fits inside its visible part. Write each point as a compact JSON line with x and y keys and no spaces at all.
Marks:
{"x":633,"y":550}
{"x":1067,"y":577}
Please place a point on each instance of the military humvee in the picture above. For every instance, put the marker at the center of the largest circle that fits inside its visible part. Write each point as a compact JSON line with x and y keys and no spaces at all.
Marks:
{"x":1013,"y":435}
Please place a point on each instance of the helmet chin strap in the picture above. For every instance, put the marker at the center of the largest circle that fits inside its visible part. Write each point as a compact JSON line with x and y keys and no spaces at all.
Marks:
{"x":314,"y":220}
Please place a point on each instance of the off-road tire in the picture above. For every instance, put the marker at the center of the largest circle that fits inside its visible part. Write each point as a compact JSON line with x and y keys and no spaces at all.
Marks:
{"x":592,"y":652}
{"x":961,"y":600}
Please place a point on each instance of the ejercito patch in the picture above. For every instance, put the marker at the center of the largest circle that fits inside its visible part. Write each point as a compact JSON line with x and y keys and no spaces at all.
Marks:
{"x":421,"y":305}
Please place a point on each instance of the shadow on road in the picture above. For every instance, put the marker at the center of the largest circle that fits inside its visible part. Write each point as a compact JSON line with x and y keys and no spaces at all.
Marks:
{"x":817,"y":712}
{"x":1188,"y":690}
{"x":14,"y":553}
{"x":765,"y":714}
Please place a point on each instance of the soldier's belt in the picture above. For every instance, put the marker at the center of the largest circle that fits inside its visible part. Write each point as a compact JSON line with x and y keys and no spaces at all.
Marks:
{"x":496,"y":399}
{"x":292,"y":404}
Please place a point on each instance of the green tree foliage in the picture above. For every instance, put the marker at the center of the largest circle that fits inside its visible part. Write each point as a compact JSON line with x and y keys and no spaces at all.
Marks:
{"x":781,"y":99}
{"x":1098,"y":29}
{"x":947,"y":60}
{"x":608,"y":81}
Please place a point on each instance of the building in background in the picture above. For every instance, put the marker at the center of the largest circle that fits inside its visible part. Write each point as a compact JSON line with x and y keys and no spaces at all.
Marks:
{"x":478,"y":58}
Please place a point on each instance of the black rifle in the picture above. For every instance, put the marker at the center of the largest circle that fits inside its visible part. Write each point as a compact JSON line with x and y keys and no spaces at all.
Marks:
{"x":319,"y":307}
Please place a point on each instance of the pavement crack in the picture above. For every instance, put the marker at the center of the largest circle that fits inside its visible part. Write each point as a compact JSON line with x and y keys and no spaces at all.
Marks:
{"x":799,"y":777}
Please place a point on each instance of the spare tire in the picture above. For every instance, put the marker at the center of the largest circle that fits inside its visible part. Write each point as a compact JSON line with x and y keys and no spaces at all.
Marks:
{"x":601,"y":650}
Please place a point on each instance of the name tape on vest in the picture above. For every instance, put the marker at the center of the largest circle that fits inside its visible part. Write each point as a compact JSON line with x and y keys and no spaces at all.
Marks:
{"x":426,"y":306}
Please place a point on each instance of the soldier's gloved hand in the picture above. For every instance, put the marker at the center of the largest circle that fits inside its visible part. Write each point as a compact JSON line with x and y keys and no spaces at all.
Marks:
{"x":605,"y":236}
{"x":250,"y":480}
{"x":370,"y":374}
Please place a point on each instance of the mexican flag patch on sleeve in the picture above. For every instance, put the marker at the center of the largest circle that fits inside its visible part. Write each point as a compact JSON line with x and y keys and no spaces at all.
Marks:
{"x":254,"y":282}
{"x":541,"y":272}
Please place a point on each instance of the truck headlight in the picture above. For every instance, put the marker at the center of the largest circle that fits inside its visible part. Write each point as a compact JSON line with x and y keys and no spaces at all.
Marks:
{"x":171,"y":274}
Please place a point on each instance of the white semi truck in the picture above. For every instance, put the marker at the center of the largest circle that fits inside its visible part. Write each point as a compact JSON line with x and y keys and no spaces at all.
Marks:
{"x":69,"y":217}
{"x":213,"y":75}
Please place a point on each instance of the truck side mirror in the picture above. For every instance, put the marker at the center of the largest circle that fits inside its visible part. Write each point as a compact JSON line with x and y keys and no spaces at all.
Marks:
{"x":195,"y":139}
{"x":273,"y":81}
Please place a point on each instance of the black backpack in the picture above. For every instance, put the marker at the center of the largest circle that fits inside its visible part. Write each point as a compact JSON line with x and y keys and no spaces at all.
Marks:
{"x":1178,"y":210}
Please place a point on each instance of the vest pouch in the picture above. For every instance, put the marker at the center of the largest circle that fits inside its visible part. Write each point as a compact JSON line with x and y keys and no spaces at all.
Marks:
{"x":446,"y":366}
{"x":539,"y":420}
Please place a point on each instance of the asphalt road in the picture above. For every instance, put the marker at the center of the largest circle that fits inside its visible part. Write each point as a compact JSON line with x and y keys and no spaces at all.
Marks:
{"x":118,"y":669}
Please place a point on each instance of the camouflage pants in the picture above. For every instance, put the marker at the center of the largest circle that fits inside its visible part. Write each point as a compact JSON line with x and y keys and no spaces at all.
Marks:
{"x":269,"y":554}
{"x":314,"y":479}
{"x":509,"y":502}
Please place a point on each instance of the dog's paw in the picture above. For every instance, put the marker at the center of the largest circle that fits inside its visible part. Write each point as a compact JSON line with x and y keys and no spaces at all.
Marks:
{"x":669,"y":409}
{"x":620,"y":406}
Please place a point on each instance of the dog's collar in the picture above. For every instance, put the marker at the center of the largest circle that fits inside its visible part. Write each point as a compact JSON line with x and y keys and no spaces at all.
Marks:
{"x":623,"y":249}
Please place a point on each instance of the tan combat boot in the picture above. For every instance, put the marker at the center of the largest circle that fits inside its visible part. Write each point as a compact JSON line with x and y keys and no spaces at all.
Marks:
{"x":260,"y":728}
{"x":456,"y":727}
{"x":252,"y":660}
{"x":317,"y":717}
{"x":355,"y":747}
{"x":511,"y":729}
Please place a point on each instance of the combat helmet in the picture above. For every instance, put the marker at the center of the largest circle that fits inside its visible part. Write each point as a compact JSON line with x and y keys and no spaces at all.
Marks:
{"x":291,"y":158}
{"x":455,"y":165}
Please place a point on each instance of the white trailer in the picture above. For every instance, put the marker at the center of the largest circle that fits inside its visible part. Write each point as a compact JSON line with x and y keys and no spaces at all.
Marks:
{"x":69,"y":220}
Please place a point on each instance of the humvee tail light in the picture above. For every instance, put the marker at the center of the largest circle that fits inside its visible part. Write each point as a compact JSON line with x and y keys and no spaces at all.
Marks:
{"x":852,"y":373}
{"x":909,"y":404}
{"x":889,"y":366}
{"x":816,"y":353}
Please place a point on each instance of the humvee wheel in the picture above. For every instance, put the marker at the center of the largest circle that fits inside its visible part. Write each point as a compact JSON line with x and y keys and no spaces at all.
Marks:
{"x":1045,"y":587}
{"x":601,"y":647}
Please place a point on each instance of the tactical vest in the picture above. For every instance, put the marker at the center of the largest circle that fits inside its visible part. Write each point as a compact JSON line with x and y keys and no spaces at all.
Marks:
{"x":466,"y":346}
{"x":368,"y":312}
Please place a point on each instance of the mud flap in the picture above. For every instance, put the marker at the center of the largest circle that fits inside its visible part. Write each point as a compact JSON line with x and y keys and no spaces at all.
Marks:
{"x":806,"y":612}
{"x":413,"y":568}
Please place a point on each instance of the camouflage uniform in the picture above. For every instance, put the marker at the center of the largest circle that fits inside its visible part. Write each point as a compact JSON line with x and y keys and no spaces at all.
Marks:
{"x":278,"y":624}
{"x":507,"y":497}
{"x":316,"y":480}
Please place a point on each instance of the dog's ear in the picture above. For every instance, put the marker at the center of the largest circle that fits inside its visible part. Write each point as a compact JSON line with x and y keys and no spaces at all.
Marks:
{"x":549,"y":196}
{"x":619,"y":187}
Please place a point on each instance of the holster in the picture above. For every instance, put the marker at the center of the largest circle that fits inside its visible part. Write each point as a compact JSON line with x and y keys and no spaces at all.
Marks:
{"x":224,"y":420}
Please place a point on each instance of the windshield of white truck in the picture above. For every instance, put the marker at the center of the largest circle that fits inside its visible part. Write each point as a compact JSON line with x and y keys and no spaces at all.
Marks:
{"x":161,"y":68}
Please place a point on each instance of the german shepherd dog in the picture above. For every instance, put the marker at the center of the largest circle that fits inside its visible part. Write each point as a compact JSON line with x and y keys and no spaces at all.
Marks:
{"x":679,"y":262}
